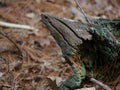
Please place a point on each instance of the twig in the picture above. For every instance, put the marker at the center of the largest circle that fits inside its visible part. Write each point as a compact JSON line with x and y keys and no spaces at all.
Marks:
{"x":82,"y":11}
{"x":13,"y":25}
{"x":90,"y":88}
{"x":80,"y":15}
{"x":105,"y":87}
{"x":3,"y":34}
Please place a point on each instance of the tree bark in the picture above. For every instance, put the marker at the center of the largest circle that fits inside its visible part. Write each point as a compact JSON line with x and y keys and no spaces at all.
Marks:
{"x":94,"y":46}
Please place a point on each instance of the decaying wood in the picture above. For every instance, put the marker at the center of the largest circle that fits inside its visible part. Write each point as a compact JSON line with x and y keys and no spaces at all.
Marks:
{"x":74,"y":33}
{"x":95,"y":43}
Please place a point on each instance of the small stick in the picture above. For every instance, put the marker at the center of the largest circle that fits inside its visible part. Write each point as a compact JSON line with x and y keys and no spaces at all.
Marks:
{"x":82,"y":11}
{"x":105,"y":87}
{"x":3,"y":34}
{"x":13,"y":25}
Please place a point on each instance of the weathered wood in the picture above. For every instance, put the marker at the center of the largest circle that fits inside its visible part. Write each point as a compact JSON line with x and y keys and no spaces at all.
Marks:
{"x":71,"y":31}
{"x":94,"y":46}
{"x":74,"y":33}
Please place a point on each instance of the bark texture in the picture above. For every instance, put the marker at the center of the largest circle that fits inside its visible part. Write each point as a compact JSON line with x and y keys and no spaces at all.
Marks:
{"x":94,"y":46}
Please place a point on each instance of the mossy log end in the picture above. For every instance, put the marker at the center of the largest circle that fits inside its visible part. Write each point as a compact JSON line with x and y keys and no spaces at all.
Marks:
{"x":94,"y":46}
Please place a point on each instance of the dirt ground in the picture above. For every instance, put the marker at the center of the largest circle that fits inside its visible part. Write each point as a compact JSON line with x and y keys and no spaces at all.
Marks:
{"x":30,"y":59}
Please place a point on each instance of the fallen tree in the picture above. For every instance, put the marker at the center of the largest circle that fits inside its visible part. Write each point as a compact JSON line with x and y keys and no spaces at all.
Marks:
{"x":93,"y":45}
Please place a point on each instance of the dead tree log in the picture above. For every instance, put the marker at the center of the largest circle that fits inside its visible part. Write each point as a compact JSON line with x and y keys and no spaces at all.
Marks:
{"x":94,"y":46}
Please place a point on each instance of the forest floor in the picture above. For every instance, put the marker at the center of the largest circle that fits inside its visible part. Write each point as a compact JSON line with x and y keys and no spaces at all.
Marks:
{"x":30,"y":59}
